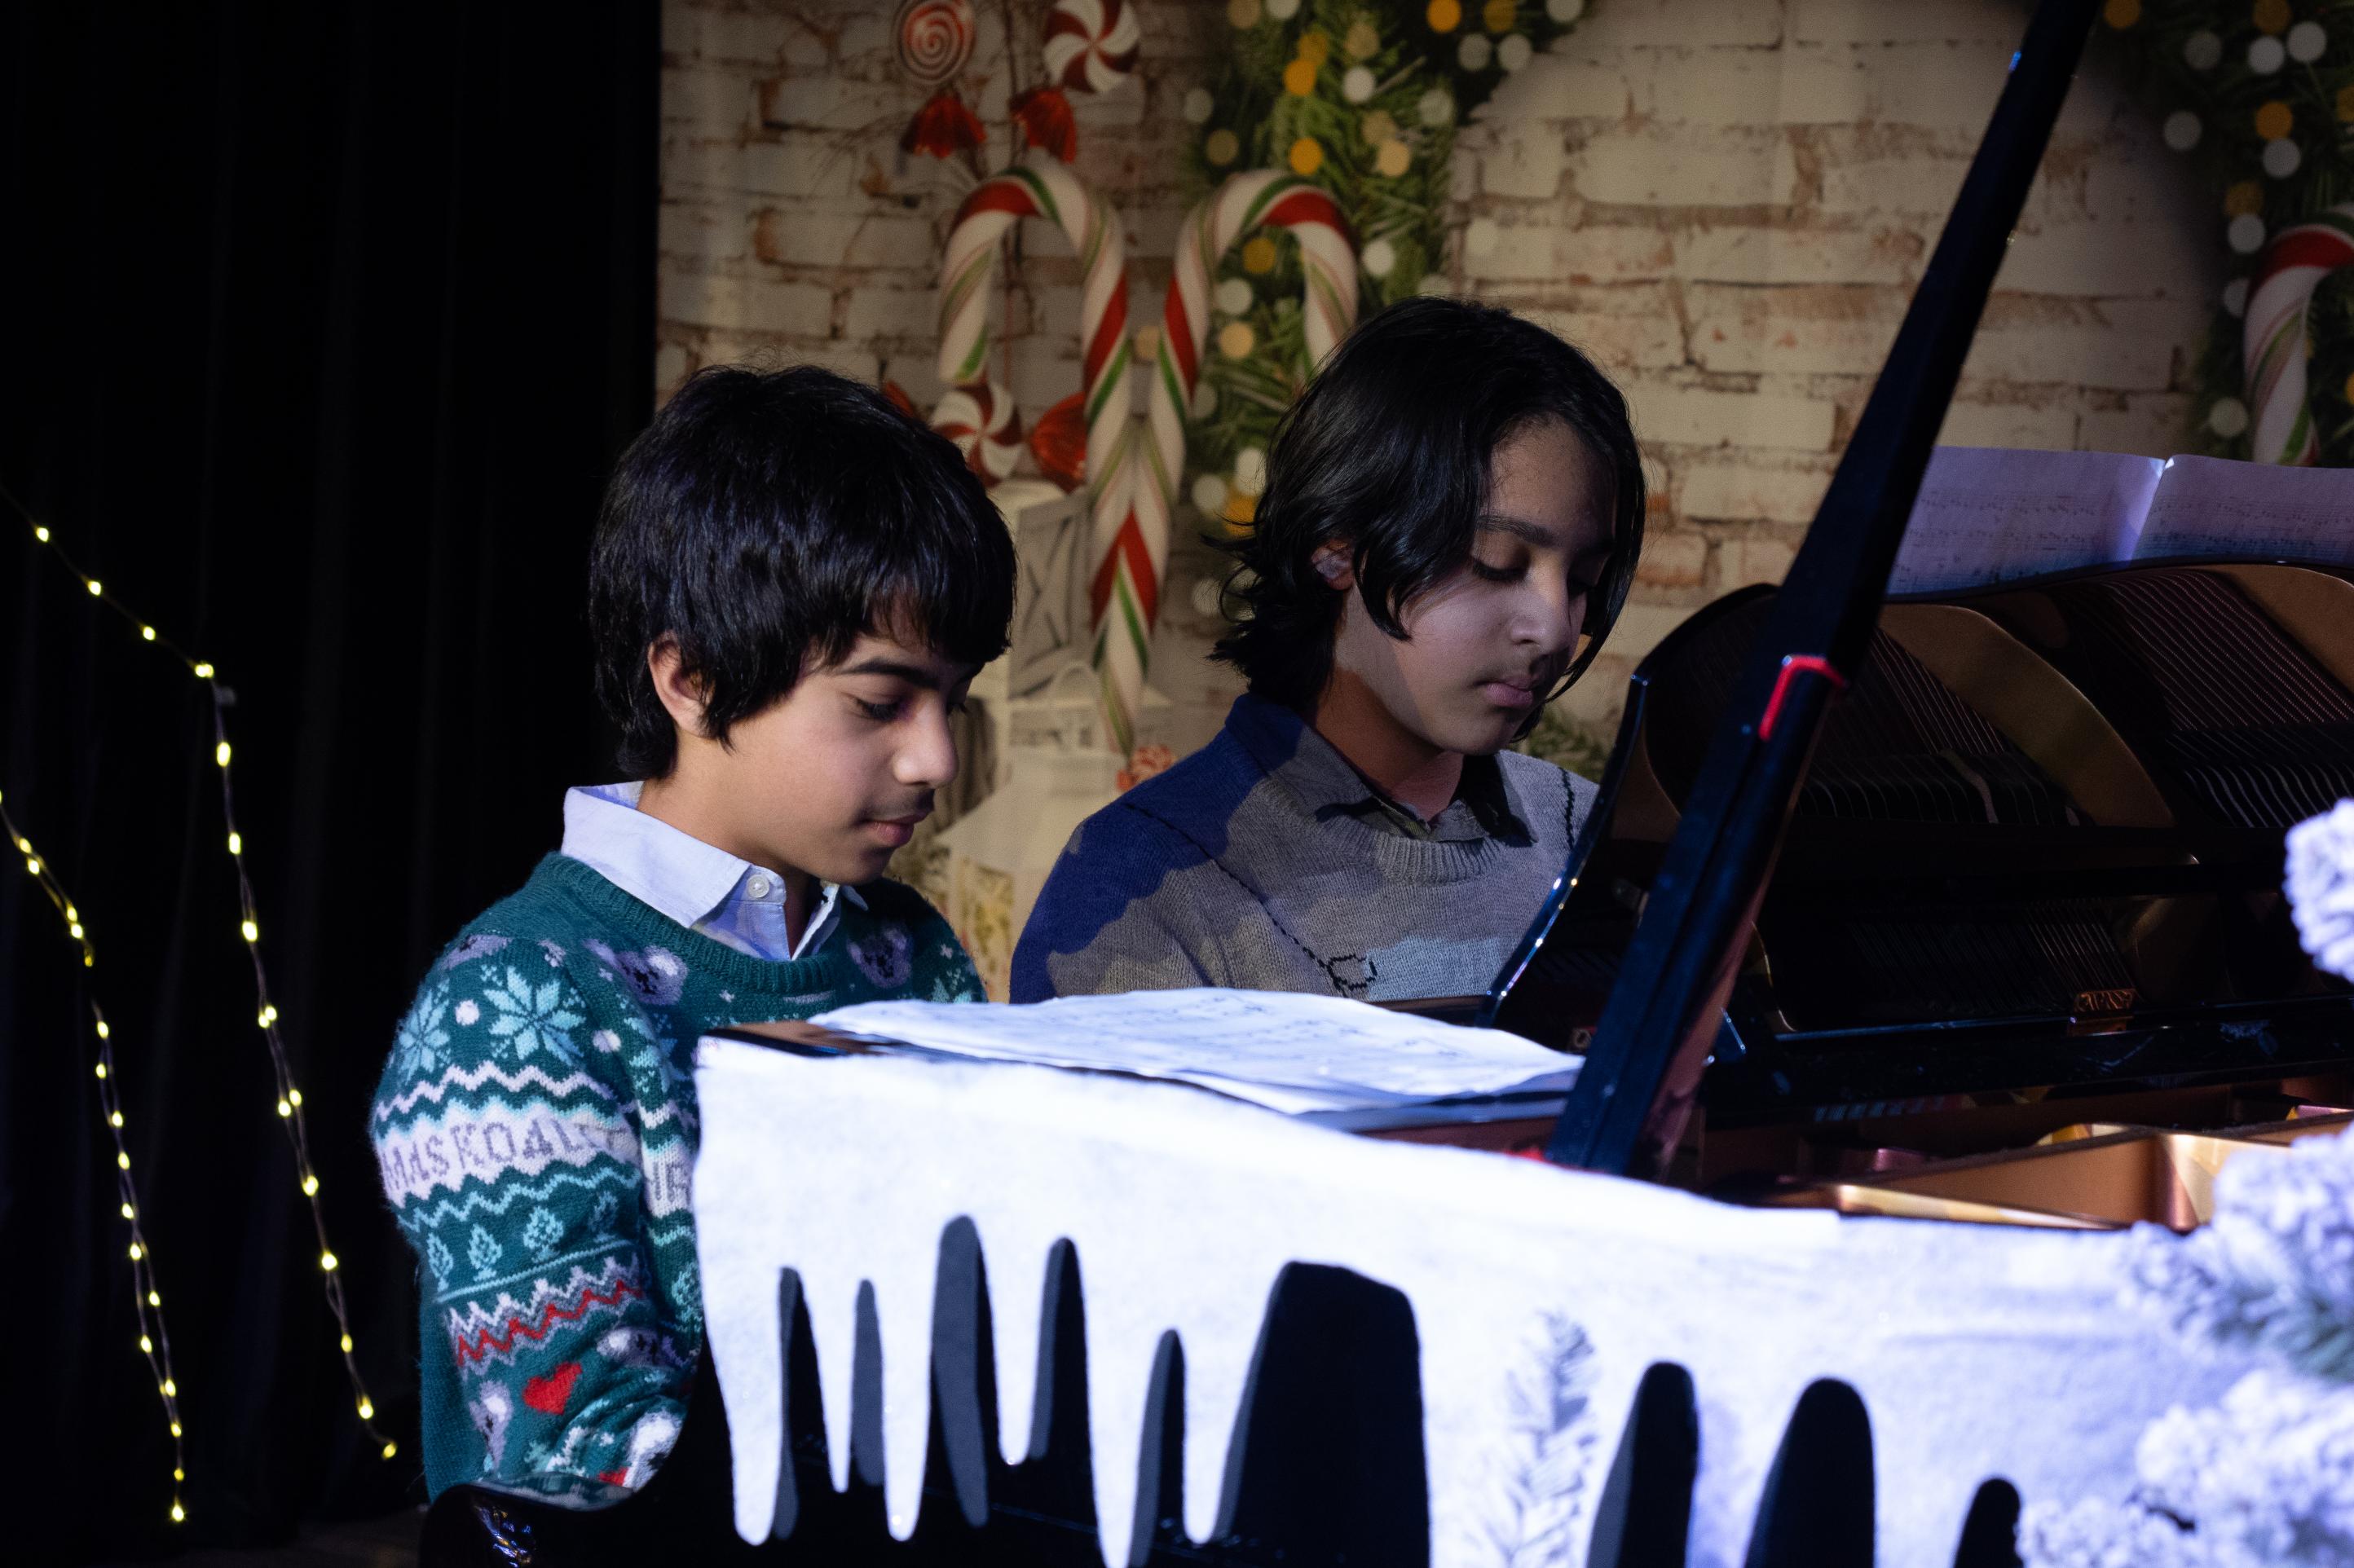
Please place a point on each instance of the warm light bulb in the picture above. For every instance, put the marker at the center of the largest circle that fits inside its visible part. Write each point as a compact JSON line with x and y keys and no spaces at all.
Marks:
{"x":147,"y":634}
{"x":137,"y":1252}
{"x":96,"y":587}
{"x":252,"y":932}
{"x":42,"y":533}
{"x":178,"y":1474}
{"x":220,"y":754}
{"x":146,"y":1345}
{"x":204,"y":672}
{"x":179,"y":1514}
{"x":122,"y":1160}
{"x":347,"y":1344}
{"x":33,"y":865}
{"x":390,"y":1449}
{"x":310,"y":1186}
{"x":155,"y":1299}
{"x":327,"y":1262}
{"x":74,"y":929}
{"x":285,"y":1109}
{"x":102,"y":1067}
{"x":293,"y":1097}
{"x":367,"y":1408}
{"x":24,"y":846}
{"x":129,"y":1213}
{"x":176,"y":1429}
{"x":103,"y":1032}
{"x":115,"y":1120}
{"x":171,"y":1389}
{"x":236,"y":844}
{"x":73,"y":914}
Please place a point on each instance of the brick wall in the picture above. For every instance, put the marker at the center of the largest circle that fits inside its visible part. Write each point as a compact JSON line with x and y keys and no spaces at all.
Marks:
{"x":1726,"y":202}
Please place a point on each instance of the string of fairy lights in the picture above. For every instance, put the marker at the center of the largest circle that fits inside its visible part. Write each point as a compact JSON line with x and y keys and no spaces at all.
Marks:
{"x":289,"y":1104}
{"x":147,"y":1296}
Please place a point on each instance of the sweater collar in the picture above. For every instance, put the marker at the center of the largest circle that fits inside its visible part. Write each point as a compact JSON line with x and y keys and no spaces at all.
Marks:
{"x":635,"y":920}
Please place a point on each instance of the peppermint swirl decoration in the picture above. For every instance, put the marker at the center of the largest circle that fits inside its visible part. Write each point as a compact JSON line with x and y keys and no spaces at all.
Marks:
{"x":1091,"y":44}
{"x":934,"y":39}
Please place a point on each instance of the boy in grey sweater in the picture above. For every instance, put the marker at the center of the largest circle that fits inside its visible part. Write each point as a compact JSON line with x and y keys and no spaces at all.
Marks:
{"x":1452,"y":516}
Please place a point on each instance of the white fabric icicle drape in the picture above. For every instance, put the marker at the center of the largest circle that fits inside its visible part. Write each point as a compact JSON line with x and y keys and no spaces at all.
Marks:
{"x":1978,"y":1350}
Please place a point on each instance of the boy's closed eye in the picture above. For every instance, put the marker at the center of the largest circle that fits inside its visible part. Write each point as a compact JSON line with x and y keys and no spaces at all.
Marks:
{"x":1506,"y":549}
{"x":888,"y":709}
{"x":882,"y":689}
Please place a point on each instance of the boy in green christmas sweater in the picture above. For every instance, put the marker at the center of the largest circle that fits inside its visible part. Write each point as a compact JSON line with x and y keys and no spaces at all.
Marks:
{"x":792,"y":587}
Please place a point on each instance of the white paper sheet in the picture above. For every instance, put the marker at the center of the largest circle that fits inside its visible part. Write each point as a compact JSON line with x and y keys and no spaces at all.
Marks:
{"x":1285,"y":1051}
{"x":2210,"y":506}
{"x":1988,"y":514}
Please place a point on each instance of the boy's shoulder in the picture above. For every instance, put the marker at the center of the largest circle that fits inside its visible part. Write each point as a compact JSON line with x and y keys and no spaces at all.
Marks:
{"x":1193,"y":799}
{"x":542,"y":910}
{"x":1525,"y":772}
{"x":1545,"y":789}
{"x":567,"y":933}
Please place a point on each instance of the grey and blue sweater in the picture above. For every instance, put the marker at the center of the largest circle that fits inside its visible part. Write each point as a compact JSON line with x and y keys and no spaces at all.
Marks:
{"x":1265,"y":862}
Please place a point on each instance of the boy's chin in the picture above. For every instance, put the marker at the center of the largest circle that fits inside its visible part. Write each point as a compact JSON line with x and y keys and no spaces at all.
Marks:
{"x":1482,"y":735}
{"x":861,"y":856}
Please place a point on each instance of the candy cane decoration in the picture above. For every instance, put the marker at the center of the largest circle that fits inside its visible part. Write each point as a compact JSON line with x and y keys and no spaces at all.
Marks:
{"x":1054,"y":193}
{"x":2274,"y":346}
{"x":1091,"y":44}
{"x":1129,"y":561}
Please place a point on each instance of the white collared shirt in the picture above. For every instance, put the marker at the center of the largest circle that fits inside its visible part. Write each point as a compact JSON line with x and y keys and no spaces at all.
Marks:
{"x":702,"y":887}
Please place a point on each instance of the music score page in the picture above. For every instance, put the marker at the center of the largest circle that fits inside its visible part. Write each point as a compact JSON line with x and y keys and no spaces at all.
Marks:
{"x":1988,"y":514}
{"x":2212,"y":506}
{"x":1285,"y":1051}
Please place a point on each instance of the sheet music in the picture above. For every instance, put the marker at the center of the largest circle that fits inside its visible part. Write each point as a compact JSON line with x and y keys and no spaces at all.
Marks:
{"x":1988,"y":514}
{"x":1286,"y":1052}
{"x":2212,"y":506}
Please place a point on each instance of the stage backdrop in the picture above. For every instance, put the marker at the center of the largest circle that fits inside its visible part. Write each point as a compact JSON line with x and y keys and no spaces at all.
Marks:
{"x":1725,"y":202}
{"x":320,"y":328}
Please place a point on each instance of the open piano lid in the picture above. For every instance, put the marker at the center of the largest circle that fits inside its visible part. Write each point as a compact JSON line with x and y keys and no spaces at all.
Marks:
{"x":1649,"y":1051}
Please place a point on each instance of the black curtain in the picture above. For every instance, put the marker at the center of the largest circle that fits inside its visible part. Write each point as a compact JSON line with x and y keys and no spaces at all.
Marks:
{"x":320,"y":327}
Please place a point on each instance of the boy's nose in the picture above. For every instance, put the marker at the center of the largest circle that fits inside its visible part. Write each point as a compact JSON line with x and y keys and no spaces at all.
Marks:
{"x":928,"y":759}
{"x":1552,"y":616}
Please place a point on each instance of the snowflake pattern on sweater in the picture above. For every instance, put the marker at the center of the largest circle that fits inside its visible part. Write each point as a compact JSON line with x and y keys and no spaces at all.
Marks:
{"x":535,"y":1128}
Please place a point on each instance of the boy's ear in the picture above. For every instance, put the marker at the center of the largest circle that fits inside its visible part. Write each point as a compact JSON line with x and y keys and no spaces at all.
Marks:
{"x":1333,"y":564}
{"x":681,"y":695}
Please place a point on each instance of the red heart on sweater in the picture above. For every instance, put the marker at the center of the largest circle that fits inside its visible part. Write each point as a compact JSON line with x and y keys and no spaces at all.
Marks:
{"x":548,"y":1394}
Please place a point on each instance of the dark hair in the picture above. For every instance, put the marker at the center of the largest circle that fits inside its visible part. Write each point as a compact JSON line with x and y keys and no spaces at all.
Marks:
{"x":1389,"y":450}
{"x":767,"y":520}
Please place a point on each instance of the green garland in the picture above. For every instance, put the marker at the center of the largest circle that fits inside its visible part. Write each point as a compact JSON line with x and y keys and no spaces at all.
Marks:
{"x":2259,"y":95}
{"x":1363,"y":97}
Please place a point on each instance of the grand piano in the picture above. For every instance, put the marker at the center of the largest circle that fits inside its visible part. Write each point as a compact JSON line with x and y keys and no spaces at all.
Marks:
{"x":1961,"y":909}
{"x":2030,"y":882}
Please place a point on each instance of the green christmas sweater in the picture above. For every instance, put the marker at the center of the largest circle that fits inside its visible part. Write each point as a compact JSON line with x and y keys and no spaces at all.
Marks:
{"x":536,"y":1130}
